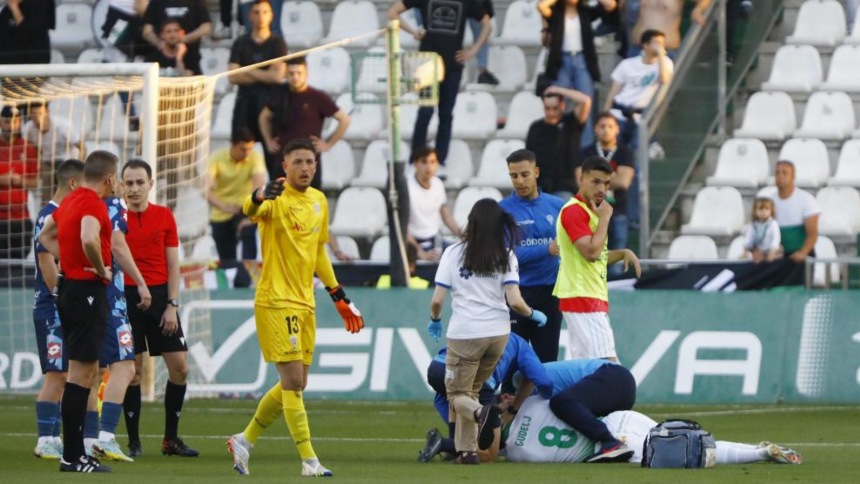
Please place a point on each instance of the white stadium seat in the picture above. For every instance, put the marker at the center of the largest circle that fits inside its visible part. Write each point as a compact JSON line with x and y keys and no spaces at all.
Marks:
{"x":848,"y":168}
{"x":741,"y":163}
{"x":360,"y":212}
{"x":840,"y":211}
{"x":73,"y":30}
{"x":329,"y":70}
{"x":373,"y":73}
{"x":367,"y":120}
{"x":347,"y":245}
{"x":214,"y":61}
{"x":353,"y":18}
{"x":374,"y":168}
{"x":57,"y":57}
{"x":825,"y":249}
{"x":458,"y":167}
{"x":301,"y":24}
{"x":193,"y":210}
{"x":77,"y":111}
{"x":843,"y":74}
{"x":768,"y":116}
{"x":381,"y":250}
{"x":525,"y":109}
{"x":539,"y":67}
{"x":736,"y":248}
{"x":508,"y":63}
{"x":811,"y":162}
{"x":204,"y":249}
{"x":91,"y":56}
{"x":339,"y":167}
{"x":522,"y":25}
{"x":493,"y":171}
{"x":466,"y":200}
{"x":408,"y":113}
{"x":819,"y":22}
{"x":113,"y":125}
{"x":475,"y":115}
{"x":796,"y":68}
{"x":828,"y":115}
{"x":717,"y":211}
{"x":693,"y":247}
{"x":223,"y":123}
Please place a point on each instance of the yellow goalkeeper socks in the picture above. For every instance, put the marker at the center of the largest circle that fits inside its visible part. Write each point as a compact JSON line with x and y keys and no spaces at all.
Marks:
{"x":267,"y":411}
{"x":297,"y":421}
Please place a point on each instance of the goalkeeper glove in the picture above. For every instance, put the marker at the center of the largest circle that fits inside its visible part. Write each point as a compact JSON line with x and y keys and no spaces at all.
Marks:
{"x":352,"y":320}
{"x":434,"y":329}
{"x":270,"y":191}
{"x":539,"y":317}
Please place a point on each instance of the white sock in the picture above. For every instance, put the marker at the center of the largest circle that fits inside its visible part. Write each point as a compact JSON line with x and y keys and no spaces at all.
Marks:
{"x":736,"y":453}
{"x":106,"y":436}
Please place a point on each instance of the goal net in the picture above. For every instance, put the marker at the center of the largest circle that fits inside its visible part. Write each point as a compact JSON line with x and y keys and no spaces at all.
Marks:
{"x":60,"y":112}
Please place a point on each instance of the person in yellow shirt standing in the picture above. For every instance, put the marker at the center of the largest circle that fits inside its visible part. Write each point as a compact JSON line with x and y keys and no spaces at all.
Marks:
{"x":581,"y":234}
{"x":230,"y":175}
{"x":293,"y":221}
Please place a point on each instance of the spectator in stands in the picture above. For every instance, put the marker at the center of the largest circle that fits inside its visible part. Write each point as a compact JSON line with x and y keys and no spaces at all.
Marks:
{"x":483,"y":56}
{"x":797,"y":214}
{"x":232,"y":174}
{"x":256,"y":86}
{"x":662,"y":15}
{"x":56,"y":141}
{"x":19,"y":169}
{"x":130,"y":41}
{"x":443,"y":26}
{"x":572,"y":58}
{"x":24,"y":26}
{"x":244,"y":16}
{"x":174,"y":57}
{"x":298,"y":111}
{"x":535,"y":213}
{"x":193,"y":17}
{"x":762,"y":241}
{"x":622,"y":160}
{"x":428,"y":205}
{"x":555,"y":139}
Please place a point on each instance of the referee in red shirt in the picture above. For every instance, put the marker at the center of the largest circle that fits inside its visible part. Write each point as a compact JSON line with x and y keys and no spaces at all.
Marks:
{"x":79,"y":233}
{"x":154,"y":243}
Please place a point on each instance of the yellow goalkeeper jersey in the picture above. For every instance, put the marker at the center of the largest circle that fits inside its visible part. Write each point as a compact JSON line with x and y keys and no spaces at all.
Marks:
{"x":292,"y":227}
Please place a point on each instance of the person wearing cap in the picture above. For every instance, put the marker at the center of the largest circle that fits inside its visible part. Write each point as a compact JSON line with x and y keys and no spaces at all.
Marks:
{"x":19,"y":169}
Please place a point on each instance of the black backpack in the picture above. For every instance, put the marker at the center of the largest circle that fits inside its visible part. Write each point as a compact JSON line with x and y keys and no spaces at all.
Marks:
{"x":679,"y":444}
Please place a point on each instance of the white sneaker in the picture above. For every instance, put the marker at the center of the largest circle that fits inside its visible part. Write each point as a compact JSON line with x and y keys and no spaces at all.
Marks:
{"x":783,"y":455}
{"x":656,"y":151}
{"x":239,"y":446}
{"x":110,"y":450}
{"x":47,"y":450}
{"x":313,"y":468}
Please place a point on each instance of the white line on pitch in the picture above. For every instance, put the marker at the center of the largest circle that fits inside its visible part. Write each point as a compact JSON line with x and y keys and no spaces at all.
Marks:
{"x":225,"y":436}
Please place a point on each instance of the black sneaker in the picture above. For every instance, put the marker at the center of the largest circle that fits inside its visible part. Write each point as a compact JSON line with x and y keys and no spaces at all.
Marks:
{"x":432,"y":447}
{"x":488,"y":77}
{"x":86,"y":464}
{"x":470,"y":458}
{"x":616,"y":453}
{"x":134,"y":449}
{"x":488,"y":420}
{"x":176,"y":446}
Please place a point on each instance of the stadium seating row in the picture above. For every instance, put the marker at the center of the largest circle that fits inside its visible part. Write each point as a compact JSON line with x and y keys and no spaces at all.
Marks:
{"x":771,"y":116}
{"x":822,"y":22}
{"x":797,"y":68}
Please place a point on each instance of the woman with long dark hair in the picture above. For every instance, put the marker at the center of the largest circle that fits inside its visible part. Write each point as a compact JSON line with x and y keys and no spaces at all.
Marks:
{"x":481,"y":272}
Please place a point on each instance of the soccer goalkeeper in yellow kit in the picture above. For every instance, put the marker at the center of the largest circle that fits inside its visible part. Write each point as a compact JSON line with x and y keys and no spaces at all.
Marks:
{"x":293,"y":222}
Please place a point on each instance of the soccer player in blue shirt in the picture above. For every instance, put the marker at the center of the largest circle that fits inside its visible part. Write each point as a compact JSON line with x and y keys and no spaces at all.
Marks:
{"x":49,"y":335}
{"x":535,"y":213}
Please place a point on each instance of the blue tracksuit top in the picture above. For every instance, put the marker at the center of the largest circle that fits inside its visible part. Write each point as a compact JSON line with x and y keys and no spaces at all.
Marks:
{"x":536,"y":221}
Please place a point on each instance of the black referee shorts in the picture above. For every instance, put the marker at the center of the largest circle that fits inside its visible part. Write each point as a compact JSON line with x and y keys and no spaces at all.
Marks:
{"x":146,"y":325}
{"x":83,"y":310}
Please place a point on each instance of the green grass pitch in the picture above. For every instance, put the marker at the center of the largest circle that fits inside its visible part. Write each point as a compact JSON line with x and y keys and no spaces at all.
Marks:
{"x":378,"y":441}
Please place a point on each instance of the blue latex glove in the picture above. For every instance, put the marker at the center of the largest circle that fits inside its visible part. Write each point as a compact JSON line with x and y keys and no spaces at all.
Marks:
{"x":434,"y":329}
{"x":538,"y":317}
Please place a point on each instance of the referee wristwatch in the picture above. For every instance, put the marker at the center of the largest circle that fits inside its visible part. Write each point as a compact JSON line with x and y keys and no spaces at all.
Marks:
{"x":173,"y":302}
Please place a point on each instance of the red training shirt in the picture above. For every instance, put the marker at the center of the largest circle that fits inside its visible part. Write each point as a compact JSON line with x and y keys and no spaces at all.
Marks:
{"x":574,"y":220}
{"x":150,"y":232}
{"x":21,"y":158}
{"x":80,"y":203}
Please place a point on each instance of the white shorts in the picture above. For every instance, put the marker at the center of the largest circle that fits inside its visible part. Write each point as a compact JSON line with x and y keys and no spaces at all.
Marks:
{"x":589,"y":335}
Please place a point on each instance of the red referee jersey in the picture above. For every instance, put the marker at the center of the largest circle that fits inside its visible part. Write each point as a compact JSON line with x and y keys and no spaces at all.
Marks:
{"x":149,"y":233}
{"x":80,"y":203}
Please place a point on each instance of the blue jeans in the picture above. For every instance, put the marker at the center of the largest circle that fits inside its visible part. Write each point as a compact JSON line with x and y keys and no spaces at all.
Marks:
{"x":574,"y":75}
{"x":484,"y":51}
{"x":448,"y":90}
{"x":619,"y":228}
{"x":245,"y":10}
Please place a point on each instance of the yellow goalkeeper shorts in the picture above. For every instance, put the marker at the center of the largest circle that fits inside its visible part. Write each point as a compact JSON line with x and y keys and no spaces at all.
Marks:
{"x":286,"y":334}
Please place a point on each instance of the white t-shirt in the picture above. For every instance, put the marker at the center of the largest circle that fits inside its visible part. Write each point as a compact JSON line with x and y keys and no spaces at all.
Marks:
{"x":424,"y":206}
{"x":763,"y":236}
{"x":60,"y":142}
{"x":794,"y":210}
{"x":572,"y":35}
{"x":479,"y":307}
{"x":537,"y":435}
{"x":639,"y":81}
